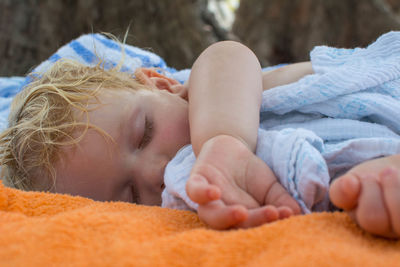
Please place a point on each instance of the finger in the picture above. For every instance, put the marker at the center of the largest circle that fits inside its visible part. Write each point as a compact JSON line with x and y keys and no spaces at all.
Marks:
{"x":344,"y":191}
{"x":200,"y":190}
{"x":285,"y":212}
{"x":279,"y":197}
{"x":259,"y":216}
{"x":371,"y":212}
{"x":219,"y":216}
{"x":390,"y":181}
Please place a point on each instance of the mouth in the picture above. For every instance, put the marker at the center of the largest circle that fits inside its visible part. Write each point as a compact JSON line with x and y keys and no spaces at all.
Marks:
{"x":162,"y":186}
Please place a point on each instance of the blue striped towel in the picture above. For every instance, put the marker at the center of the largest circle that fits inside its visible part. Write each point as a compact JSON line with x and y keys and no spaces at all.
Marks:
{"x":87,"y":49}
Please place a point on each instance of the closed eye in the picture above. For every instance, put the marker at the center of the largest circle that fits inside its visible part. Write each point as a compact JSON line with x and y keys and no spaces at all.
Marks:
{"x":135,"y":196}
{"x":148,"y":133}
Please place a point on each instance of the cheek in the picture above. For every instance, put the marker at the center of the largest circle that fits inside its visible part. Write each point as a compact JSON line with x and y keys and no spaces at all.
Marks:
{"x":182,"y":130}
{"x":172,"y":131}
{"x":176,"y":130}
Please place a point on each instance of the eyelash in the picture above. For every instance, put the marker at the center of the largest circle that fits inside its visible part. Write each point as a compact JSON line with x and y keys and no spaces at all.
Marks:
{"x":135,"y":197}
{"x":148,"y":133}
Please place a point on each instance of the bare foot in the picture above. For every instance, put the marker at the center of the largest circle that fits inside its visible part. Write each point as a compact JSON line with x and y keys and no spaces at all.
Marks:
{"x":370,"y":193}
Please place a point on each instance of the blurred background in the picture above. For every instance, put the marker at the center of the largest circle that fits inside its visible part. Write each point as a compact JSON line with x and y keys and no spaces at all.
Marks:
{"x":279,"y":31}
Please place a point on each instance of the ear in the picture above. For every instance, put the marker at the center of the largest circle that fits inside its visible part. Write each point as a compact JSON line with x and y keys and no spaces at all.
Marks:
{"x":152,"y":78}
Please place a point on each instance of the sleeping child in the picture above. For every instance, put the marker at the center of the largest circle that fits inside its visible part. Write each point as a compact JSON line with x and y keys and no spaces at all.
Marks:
{"x":213,"y":144}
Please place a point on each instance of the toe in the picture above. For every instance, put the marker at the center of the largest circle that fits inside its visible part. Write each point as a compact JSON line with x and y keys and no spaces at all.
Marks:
{"x":390,"y":181}
{"x":344,"y":191}
{"x":371,"y":212}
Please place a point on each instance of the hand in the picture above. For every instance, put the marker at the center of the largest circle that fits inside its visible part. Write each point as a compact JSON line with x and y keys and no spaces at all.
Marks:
{"x":370,"y":193}
{"x":235,"y":188}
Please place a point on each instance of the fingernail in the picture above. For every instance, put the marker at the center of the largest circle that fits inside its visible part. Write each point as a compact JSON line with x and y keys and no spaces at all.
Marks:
{"x":350,"y":184}
{"x":213,"y":194}
{"x":353,"y":181}
{"x":239,"y":215}
{"x":388,"y":171}
{"x":389,"y":175}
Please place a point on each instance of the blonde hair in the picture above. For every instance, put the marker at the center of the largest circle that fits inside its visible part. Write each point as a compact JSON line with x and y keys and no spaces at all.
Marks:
{"x":43,"y":118}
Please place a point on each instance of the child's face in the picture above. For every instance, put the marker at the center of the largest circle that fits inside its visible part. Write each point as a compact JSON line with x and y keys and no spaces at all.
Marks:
{"x":132,"y":168}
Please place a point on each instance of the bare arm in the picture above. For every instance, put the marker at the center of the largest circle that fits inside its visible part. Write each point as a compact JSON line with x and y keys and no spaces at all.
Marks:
{"x":233,"y":187}
{"x":225,"y":89}
{"x":286,"y":74}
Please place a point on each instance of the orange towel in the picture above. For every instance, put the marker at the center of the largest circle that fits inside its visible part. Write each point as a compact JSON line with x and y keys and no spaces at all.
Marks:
{"x":43,"y":229}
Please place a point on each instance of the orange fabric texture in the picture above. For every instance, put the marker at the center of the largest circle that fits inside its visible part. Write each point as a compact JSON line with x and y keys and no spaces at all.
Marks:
{"x":43,"y":229}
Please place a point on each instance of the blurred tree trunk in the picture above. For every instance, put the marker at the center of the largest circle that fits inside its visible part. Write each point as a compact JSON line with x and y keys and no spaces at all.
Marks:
{"x":282,"y":31}
{"x":178,"y":30}
{"x":31,"y":30}
{"x":395,"y":6}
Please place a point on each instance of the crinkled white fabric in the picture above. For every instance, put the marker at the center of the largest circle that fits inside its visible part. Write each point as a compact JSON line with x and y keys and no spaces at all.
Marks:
{"x":317,"y":128}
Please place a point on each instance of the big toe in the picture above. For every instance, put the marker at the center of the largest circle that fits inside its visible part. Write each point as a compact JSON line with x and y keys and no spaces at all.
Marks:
{"x":344,"y":191}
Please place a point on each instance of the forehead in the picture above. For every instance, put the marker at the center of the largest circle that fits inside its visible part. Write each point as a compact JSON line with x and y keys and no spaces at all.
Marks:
{"x":109,"y":94}
{"x":107,"y":111}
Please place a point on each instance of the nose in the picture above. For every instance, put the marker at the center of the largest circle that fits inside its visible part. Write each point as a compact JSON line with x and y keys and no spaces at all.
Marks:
{"x":163,"y":165}
{"x":154,"y":174}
